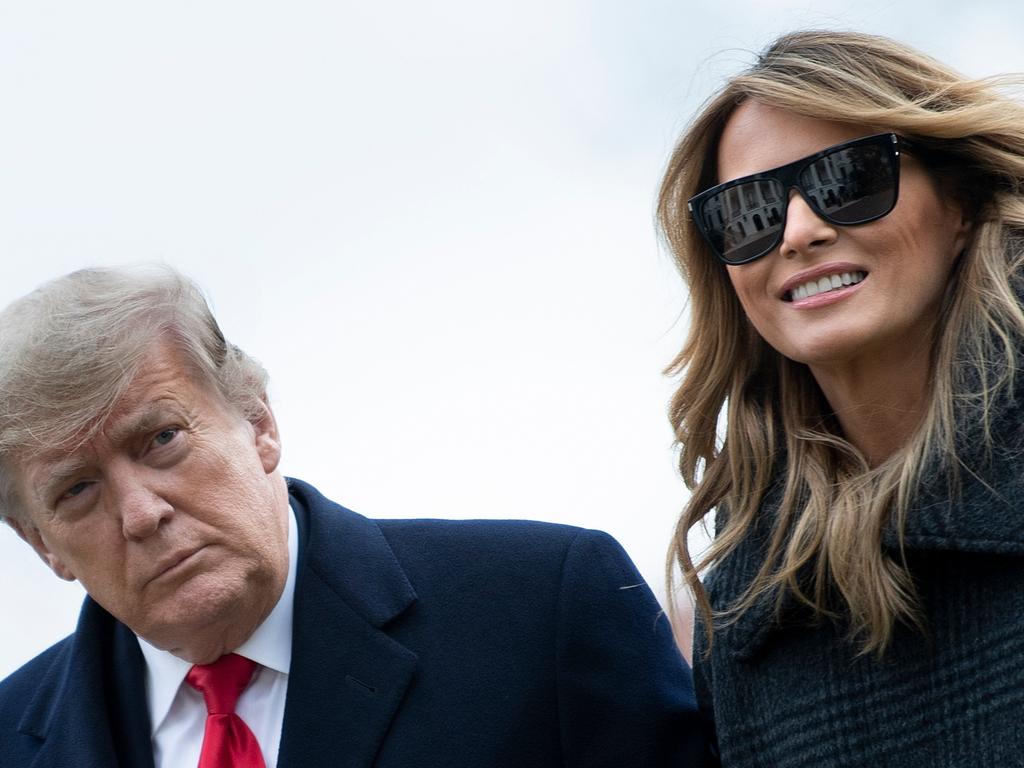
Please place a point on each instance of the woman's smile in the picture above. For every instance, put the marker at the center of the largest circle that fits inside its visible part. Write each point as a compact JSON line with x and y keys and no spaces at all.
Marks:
{"x":822,"y":285}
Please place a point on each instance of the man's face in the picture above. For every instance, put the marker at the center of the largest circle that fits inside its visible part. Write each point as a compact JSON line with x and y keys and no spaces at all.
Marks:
{"x":173,"y":517}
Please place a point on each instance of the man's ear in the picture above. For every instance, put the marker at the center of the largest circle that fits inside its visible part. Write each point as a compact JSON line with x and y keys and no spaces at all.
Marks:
{"x":268,"y":444}
{"x":31,"y":535}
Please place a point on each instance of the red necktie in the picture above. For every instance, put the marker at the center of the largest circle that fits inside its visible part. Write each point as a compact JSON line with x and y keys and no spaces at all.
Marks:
{"x":227,"y":742}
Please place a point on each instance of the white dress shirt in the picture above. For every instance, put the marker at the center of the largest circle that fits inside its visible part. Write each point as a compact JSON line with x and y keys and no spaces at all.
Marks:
{"x":177,"y":711}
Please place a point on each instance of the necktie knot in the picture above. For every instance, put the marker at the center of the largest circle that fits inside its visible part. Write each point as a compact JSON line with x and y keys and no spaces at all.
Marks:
{"x":227,"y":740}
{"x":222,"y":682}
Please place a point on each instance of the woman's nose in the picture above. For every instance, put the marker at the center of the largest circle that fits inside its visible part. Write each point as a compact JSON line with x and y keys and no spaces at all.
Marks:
{"x":805,"y":231}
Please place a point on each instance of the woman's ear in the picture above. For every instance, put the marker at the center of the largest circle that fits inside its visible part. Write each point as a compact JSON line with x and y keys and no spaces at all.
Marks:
{"x":964,"y":231}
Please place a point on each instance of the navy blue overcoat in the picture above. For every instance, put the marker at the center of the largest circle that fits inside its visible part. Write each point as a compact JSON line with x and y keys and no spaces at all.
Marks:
{"x":475,"y":644}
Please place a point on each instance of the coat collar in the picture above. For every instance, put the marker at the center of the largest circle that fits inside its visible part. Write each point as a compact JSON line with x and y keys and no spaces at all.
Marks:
{"x":348,"y":677}
{"x":977,"y":509}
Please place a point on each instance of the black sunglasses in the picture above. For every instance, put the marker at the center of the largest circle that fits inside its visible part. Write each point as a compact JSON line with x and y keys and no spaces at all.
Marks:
{"x":851,"y":183}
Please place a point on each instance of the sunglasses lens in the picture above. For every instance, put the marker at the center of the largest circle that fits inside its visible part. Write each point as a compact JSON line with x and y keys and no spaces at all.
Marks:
{"x":852,"y":185}
{"x":744,"y":221}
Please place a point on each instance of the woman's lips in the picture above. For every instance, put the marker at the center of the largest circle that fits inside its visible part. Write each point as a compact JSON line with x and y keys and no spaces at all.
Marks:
{"x":825,"y":298}
{"x":830,"y":276}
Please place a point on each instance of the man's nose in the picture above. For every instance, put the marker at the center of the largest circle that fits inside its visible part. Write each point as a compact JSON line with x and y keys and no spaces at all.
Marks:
{"x":805,"y":230}
{"x":140,"y":506}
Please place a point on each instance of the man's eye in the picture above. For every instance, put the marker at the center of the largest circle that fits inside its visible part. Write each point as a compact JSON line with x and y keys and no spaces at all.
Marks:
{"x":165,"y":436}
{"x":74,"y":490}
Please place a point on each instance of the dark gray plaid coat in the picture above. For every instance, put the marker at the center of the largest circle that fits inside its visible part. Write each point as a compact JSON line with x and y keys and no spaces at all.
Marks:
{"x":785,"y":693}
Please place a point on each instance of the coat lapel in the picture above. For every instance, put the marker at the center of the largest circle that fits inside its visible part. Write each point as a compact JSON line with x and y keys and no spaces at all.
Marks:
{"x":129,"y":709}
{"x":747,"y":632}
{"x":347,"y":677}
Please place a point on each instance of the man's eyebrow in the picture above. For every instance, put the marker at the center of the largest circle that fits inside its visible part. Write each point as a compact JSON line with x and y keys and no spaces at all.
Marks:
{"x":150,"y":417}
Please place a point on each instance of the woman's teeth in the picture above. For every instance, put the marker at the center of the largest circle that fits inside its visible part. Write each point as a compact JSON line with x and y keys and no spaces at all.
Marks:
{"x":822,"y":284}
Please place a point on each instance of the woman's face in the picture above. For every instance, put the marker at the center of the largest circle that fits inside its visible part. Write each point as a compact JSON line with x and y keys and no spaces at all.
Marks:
{"x":905,"y":258}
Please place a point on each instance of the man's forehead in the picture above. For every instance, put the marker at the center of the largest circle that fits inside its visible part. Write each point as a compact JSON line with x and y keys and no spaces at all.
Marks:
{"x":75,"y":447}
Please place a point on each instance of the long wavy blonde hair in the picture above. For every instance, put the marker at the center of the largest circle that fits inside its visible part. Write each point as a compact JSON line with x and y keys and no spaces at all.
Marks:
{"x":826,"y":535}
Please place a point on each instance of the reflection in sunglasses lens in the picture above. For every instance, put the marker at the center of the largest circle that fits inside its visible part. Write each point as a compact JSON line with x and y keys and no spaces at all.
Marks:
{"x":850,"y":185}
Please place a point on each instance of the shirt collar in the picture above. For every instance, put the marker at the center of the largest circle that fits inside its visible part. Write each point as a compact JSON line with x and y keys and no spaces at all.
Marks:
{"x":270,"y":645}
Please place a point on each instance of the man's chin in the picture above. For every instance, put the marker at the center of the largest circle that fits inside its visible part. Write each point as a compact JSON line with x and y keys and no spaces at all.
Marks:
{"x":200,"y":615}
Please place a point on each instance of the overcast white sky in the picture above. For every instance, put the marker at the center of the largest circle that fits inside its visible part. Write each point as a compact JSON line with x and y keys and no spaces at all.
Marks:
{"x":431,"y":221}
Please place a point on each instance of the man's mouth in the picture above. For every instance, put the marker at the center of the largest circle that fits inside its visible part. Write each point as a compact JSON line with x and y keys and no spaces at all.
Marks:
{"x":824,"y":284}
{"x":169,"y":564}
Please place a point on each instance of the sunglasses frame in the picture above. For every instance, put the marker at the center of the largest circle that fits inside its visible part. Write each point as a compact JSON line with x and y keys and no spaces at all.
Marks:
{"x":788,"y":176}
